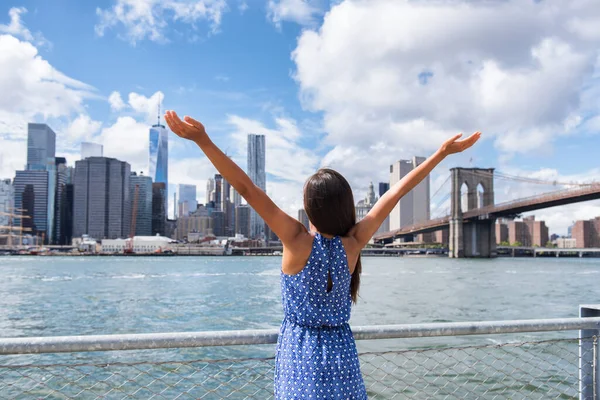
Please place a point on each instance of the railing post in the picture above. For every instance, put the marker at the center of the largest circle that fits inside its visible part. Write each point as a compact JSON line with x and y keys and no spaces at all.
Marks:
{"x":589,"y":377}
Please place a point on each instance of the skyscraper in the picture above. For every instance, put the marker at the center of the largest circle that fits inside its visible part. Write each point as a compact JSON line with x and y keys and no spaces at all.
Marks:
{"x":102,"y":205}
{"x":40,"y":173}
{"x":41,"y":147}
{"x":210,"y":188}
{"x":89,"y":149}
{"x":256,"y":172}
{"x":414,"y":206}
{"x":63,"y":208}
{"x":143,"y":219}
{"x":158,"y":160}
{"x":303,"y":218}
{"x":242,"y":220}
{"x":187,"y":203}
{"x":383,"y":187}
{"x":36,"y":203}
{"x":159,"y":208}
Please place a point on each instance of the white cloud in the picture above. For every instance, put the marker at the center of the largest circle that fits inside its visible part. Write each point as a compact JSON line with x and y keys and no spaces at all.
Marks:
{"x":16,"y":28}
{"x":81,"y":129}
{"x":127,"y":140}
{"x":302,"y":12}
{"x":12,"y":157}
{"x":148,"y":19}
{"x":408,"y":74}
{"x":116,"y":102}
{"x":242,"y":6}
{"x":146,"y":106}
{"x":31,"y":87}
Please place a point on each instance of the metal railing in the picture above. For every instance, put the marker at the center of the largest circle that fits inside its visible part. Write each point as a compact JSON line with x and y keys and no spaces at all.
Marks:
{"x":236,"y":364}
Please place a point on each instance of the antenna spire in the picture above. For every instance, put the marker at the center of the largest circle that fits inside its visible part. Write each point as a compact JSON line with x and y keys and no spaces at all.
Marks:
{"x":159,"y":109}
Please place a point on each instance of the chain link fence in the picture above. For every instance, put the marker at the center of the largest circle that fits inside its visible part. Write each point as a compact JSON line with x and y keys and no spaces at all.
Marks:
{"x":542,"y":369}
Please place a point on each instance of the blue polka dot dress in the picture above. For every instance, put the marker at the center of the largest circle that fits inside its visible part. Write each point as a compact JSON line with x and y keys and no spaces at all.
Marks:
{"x":316,"y":354}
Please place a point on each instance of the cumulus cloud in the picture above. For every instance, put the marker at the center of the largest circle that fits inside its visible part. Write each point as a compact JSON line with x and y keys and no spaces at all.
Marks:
{"x":127,"y":140}
{"x":16,"y":28}
{"x":416,"y":72}
{"x":83,"y":128}
{"x":302,"y":12}
{"x":149,"y":19}
{"x":116,"y":102}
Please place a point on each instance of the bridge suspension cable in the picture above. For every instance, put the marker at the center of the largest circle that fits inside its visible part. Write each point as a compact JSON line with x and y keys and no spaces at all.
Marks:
{"x":517,"y":178}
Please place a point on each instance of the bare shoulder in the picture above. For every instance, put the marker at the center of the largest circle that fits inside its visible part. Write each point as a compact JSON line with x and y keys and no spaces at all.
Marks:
{"x":297,"y":253}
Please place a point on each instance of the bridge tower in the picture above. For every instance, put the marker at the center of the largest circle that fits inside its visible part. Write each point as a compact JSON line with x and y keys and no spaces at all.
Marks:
{"x":474,"y":237}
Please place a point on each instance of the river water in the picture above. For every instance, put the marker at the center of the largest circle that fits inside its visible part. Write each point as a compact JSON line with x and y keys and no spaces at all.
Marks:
{"x":49,"y":296}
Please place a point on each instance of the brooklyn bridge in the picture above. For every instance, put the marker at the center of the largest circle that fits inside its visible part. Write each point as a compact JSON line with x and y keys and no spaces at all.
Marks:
{"x":472,"y":230}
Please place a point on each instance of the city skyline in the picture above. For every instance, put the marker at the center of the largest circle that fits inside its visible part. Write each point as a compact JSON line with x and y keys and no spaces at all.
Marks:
{"x":359,"y":109}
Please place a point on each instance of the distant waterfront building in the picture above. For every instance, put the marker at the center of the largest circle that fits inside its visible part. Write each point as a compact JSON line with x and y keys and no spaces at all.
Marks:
{"x":34,"y":201}
{"x":159,"y":208}
{"x":218,"y":220}
{"x":385,"y":226}
{"x":414,"y":206}
{"x":187,"y":203}
{"x":528,"y":232}
{"x":364,"y":206}
{"x":197,"y":222}
{"x":587,"y":233}
{"x":41,"y":147}
{"x":89,"y":149}
{"x":217,"y":191}
{"x":501,"y":232}
{"x":441,"y":236}
{"x":257,"y":173}
{"x":143,"y":221}
{"x":242,"y":220}
{"x":237,"y":199}
{"x":565,"y":243}
{"x":158,"y":157}
{"x":7,"y":201}
{"x":303,"y":218}
{"x":228,"y":208}
{"x":102,"y":203}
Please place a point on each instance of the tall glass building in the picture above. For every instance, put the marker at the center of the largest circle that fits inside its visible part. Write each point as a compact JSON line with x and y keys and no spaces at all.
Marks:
{"x":143,"y":221}
{"x":256,"y":171}
{"x":158,"y":160}
{"x":187,"y":200}
{"x":39,"y":178}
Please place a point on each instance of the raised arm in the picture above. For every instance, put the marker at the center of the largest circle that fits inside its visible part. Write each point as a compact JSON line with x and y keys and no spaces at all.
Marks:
{"x":284,"y":226}
{"x":366,"y":228}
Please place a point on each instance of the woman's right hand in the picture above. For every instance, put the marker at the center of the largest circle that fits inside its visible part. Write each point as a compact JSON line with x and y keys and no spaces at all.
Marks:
{"x":188,"y":129}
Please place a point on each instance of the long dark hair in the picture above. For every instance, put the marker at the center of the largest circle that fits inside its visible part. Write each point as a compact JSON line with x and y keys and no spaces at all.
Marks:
{"x":329,"y":204}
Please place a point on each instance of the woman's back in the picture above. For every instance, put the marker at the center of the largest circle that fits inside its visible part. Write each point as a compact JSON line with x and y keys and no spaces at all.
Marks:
{"x":316,"y":355}
{"x":319,"y":295}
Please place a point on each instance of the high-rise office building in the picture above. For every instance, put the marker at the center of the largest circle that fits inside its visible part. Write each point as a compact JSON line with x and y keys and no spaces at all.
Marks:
{"x":242,"y":220}
{"x":228,"y":208}
{"x":102,"y":205}
{"x":218,"y":222}
{"x":7,"y":201}
{"x":35,"y":202}
{"x":218,"y":191}
{"x":158,"y":160}
{"x":414,"y":206}
{"x":383,"y":187}
{"x":210,"y":189}
{"x":257,"y":172}
{"x":236,"y":198}
{"x":159,"y":208}
{"x":143,"y":219}
{"x":41,"y":149}
{"x":63,"y":210}
{"x":89,"y":149}
{"x":187,"y":203}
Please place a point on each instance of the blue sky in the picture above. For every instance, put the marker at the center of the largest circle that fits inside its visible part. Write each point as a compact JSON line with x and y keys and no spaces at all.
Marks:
{"x":352,"y":84}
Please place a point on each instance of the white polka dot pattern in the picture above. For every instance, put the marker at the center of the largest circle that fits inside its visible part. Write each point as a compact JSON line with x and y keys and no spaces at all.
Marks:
{"x":316,"y":354}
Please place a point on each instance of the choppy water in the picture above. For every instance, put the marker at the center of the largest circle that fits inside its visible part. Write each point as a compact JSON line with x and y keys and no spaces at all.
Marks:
{"x":48,"y":296}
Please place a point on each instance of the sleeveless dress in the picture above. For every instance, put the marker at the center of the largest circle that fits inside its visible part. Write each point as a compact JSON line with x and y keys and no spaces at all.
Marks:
{"x":316,"y":353}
